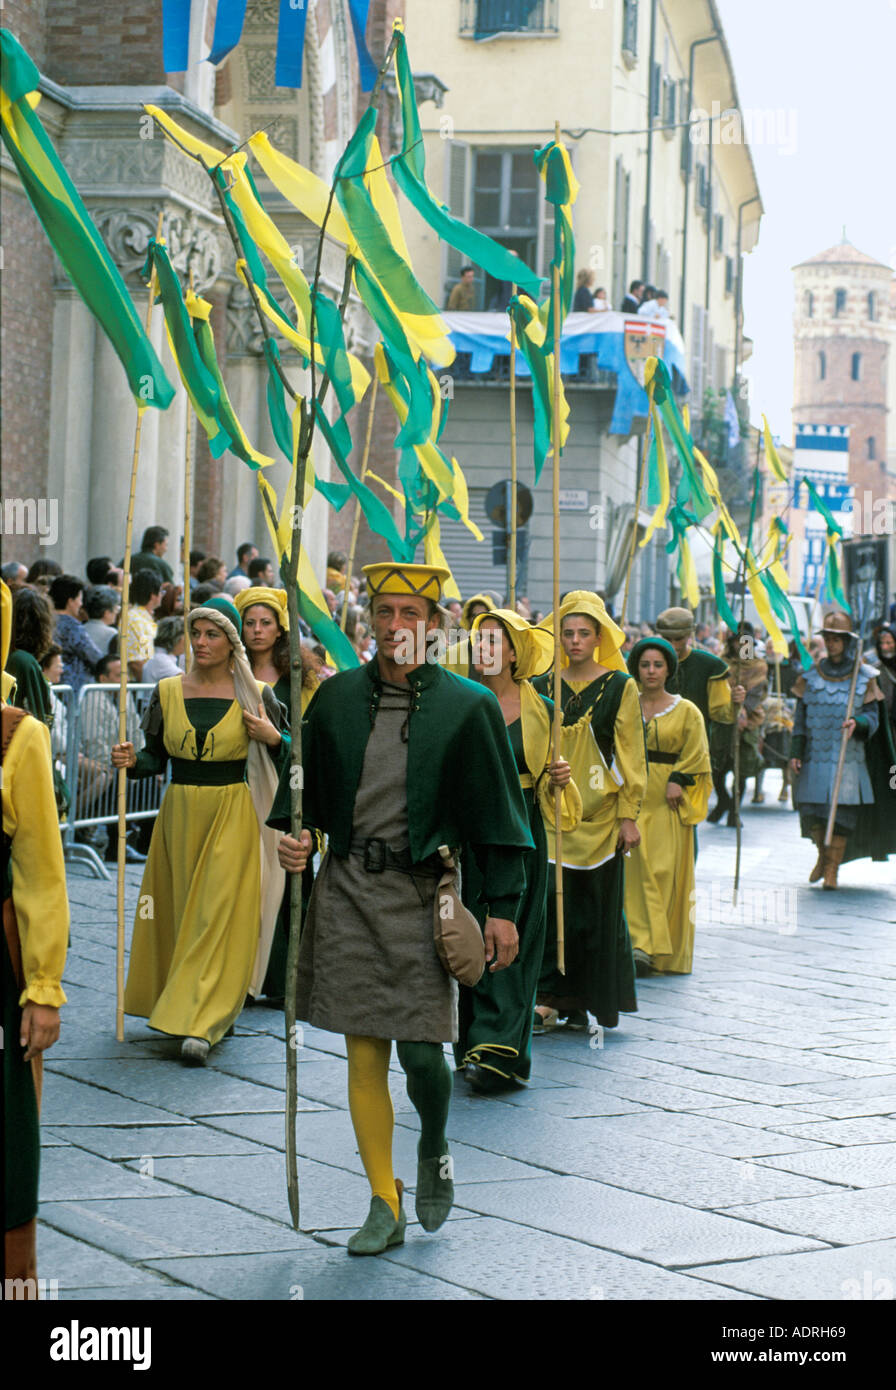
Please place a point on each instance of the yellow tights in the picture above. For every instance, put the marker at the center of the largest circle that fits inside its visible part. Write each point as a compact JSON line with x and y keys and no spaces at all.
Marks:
{"x":371,"y":1110}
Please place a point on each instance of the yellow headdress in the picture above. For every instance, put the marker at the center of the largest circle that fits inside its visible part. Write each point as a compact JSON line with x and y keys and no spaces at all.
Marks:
{"x":392,"y":577}
{"x":534,"y":648}
{"x":611,"y":638}
{"x":275,"y":599}
{"x":9,"y":684}
{"x":487,"y":602}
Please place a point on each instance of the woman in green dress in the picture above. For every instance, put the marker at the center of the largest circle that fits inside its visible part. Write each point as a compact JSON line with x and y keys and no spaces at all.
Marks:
{"x":197,"y":927}
{"x":266,"y":639}
{"x":495,"y":1016}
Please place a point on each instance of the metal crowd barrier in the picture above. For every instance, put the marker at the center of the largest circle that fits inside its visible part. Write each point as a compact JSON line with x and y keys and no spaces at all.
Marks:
{"x":83,"y":756}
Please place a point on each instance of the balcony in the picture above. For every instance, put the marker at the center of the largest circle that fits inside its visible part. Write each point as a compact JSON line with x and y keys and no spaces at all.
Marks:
{"x":492,"y":19}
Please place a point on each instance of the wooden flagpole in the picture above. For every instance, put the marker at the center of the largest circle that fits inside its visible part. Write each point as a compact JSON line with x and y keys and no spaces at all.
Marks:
{"x":643,"y":455}
{"x":357,"y":522}
{"x":737,"y":730}
{"x":512,"y":517}
{"x":188,"y":512}
{"x":558,"y":700}
{"x":123,"y":683}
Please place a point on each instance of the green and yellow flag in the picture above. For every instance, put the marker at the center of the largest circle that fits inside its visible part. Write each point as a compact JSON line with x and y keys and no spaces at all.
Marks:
{"x":771,"y":454}
{"x":70,"y":230}
{"x":833,"y":535}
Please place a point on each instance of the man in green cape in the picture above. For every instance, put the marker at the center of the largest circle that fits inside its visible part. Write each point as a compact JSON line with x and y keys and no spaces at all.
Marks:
{"x":400,"y":757}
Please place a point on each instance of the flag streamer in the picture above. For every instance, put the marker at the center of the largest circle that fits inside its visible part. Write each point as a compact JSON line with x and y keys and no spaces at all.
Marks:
{"x":70,"y":229}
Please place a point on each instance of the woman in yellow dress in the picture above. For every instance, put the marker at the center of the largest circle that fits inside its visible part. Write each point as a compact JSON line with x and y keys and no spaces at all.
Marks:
{"x":603,"y":742}
{"x":659,"y":883}
{"x":196,"y":931}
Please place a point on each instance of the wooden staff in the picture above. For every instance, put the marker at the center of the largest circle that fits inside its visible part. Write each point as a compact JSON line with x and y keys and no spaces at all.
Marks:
{"x":188,"y":511}
{"x":737,"y":729}
{"x":357,"y":522}
{"x":512,"y":517}
{"x":643,"y":454}
{"x":558,"y":700}
{"x":123,"y":683}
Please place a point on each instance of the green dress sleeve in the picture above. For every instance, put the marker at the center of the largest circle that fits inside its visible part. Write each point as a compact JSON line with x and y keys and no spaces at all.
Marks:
{"x":153,"y":756}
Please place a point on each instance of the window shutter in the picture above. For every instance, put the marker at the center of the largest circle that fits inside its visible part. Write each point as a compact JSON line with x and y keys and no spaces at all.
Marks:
{"x":457,"y":196}
{"x":698,"y":374}
{"x":630,"y":27}
{"x":471,"y":561}
{"x":621,"y":196}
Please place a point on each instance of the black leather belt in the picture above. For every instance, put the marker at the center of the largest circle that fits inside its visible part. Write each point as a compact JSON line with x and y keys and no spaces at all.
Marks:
{"x":655,"y":756}
{"x":378,"y":857}
{"x":191,"y":772}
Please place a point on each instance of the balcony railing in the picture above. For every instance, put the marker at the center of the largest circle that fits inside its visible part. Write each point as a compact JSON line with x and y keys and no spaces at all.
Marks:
{"x":486,"y":19}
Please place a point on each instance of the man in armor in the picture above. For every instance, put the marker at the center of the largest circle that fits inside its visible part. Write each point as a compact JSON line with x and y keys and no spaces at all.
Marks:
{"x":860,"y":825}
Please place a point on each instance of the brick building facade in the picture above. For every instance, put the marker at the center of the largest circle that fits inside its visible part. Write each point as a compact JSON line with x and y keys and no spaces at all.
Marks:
{"x":68,"y":419}
{"x":842,"y":335}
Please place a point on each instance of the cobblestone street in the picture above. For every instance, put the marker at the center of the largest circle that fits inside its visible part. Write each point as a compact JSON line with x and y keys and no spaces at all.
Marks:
{"x":734,"y":1139}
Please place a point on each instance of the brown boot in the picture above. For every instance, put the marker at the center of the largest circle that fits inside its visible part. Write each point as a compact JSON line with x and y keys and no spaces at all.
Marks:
{"x":818,"y":838}
{"x":833,"y":860}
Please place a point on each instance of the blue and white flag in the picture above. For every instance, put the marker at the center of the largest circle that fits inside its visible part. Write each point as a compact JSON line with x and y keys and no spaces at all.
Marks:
{"x":732,"y":421}
{"x":229,"y":20}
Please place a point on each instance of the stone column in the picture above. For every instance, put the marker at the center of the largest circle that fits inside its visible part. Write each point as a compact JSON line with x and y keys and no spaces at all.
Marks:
{"x":70,"y":395}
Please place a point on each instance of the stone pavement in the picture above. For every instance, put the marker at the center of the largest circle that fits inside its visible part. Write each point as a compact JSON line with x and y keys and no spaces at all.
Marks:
{"x":734,"y":1139}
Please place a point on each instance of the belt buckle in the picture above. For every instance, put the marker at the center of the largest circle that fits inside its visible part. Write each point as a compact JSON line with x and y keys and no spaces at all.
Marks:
{"x":374,"y":855}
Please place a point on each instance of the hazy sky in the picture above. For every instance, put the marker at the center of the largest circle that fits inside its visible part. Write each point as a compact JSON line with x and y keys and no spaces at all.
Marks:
{"x":829,"y":69}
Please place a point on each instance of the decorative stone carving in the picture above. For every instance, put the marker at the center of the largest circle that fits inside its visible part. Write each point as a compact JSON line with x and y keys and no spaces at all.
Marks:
{"x":244,"y":337}
{"x":126,"y":234}
{"x":191,"y":245}
{"x":108,"y":161}
{"x":283,"y":133}
{"x":260,"y":68}
{"x":261,"y":15}
{"x":427,"y":87}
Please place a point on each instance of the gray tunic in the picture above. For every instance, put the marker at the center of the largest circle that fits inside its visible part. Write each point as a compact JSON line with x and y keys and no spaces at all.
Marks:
{"x":368,"y":962}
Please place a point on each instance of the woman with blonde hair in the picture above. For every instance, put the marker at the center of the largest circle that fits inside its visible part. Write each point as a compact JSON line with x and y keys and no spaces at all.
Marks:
{"x":196,"y":932}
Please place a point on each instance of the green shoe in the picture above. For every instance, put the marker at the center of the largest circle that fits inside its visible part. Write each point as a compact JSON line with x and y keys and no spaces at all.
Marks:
{"x":381,"y":1229}
{"x":435,"y":1193}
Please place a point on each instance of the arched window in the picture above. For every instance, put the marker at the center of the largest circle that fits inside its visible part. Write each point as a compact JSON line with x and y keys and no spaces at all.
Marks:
{"x":809,"y":304}
{"x":872,"y":305}
{"x":856,"y":367}
{"x":839,"y":303}
{"x":872,"y":447}
{"x":822,"y":366}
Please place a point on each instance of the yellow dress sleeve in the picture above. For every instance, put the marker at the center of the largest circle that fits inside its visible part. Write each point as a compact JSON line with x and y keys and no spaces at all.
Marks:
{"x":694,"y":760}
{"x":38,"y":867}
{"x":631,"y":757}
{"x":721,"y":708}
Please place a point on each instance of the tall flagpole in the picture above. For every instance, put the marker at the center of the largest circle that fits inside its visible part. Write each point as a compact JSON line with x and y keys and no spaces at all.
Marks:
{"x":188,"y":513}
{"x":737,"y":729}
{"x":357,"y":522}
{"x":643,"y":454}
{"x":512,"y":514}
{"x":123,"y":683}
{"x":558,"y":699}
